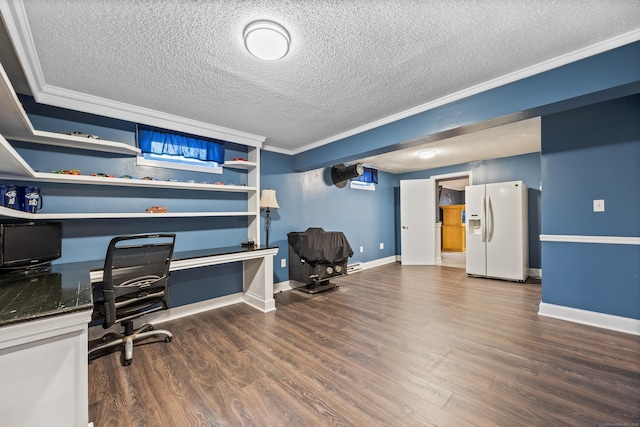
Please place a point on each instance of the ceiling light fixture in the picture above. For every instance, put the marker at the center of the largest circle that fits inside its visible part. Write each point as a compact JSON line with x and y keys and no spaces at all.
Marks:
{"x":427,"y":154}
{"x":266,"y":40}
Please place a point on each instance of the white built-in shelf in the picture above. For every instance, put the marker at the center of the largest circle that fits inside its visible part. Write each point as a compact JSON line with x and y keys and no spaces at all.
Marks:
{"x":123,"y":182}
{"x":12,"y":213}
{"x":14,"y":167}
{"x":15,"y":124}
{"x":239,"y":164}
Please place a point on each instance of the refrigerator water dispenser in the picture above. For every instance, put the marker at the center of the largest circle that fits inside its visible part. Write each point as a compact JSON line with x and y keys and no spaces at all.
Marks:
{"x":474,"y":226}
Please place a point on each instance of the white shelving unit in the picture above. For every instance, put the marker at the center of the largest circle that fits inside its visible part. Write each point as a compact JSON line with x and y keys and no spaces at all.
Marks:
{"x":6,"y":212}
{"x":15,"y":125}
{"x":13,"y":167}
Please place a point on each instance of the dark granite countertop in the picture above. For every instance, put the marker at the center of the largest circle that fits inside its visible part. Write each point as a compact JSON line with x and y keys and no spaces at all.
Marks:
{"x":64,"y":289}
{"x":67,"y":287}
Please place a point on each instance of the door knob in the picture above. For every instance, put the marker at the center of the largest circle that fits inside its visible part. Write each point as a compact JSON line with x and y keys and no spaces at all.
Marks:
{"x":404,"y":227}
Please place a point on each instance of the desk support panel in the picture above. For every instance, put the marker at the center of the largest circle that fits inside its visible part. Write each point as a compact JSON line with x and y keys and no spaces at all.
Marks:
{"x":257,"y":280}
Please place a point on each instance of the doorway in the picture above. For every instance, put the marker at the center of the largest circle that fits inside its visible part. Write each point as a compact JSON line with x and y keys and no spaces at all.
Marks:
{"x":451,"y":218}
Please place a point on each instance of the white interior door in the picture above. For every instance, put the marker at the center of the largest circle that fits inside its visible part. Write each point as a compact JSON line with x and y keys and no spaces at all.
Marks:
{"x":418,"y":221}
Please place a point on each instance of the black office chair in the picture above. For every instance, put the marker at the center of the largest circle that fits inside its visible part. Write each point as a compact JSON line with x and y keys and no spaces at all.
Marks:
{"x":134,"y":283}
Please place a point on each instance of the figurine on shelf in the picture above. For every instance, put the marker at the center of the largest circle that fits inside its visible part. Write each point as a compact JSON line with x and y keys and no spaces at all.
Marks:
{"x":68,"y":172}
{"x":102,"y":175}
{"x":157,"y":209}
{"x":83,"y":135}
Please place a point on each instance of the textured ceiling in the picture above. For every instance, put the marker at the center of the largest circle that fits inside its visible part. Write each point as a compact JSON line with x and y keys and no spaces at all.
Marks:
{"x":501,"y":141}
{"x":351,"y":63}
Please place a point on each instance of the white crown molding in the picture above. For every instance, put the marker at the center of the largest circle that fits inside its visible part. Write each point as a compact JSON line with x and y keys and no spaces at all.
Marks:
{"x":611,"y":240}
{"x":15,"y":19}
{"x":557,"y":62}
{"x":591,"y":318}
{"x":277,"y":150}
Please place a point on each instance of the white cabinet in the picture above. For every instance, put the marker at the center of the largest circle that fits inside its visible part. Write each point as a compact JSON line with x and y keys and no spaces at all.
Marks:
{"x":44,"y":375}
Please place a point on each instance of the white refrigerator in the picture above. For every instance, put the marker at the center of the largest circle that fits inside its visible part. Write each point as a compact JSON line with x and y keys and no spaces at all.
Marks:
{"x":497,"y":230}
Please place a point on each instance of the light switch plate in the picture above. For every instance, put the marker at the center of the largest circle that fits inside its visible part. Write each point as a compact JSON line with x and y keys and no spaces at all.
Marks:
{"x":598,"y":205}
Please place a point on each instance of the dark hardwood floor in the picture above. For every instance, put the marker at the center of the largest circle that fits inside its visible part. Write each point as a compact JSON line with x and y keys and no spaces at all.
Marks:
{"x":393,"y":346}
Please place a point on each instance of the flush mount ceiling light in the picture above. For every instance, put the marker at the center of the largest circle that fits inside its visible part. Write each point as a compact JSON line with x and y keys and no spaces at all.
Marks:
{"x":427,"y":154}
{"x":266,"y":40}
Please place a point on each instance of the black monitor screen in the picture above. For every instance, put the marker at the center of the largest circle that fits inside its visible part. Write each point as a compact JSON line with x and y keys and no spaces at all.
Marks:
{"x":28,"y":244}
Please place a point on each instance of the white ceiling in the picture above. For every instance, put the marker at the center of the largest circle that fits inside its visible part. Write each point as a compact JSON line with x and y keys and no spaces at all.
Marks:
{"x":352,"y":64}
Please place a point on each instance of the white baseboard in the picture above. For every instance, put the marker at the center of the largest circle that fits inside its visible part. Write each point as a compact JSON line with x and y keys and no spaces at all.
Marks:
{"x":591,"y":318}
{"x":536,"y":273}
{"x":282,"y":286}
{"x":96,"y":332}
{"x":379,"y":262}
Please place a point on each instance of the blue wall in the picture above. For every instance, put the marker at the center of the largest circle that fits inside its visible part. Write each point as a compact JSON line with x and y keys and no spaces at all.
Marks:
{"x":309,"y":199}
{"x":525,"y":167}
{"x":592,"y":153}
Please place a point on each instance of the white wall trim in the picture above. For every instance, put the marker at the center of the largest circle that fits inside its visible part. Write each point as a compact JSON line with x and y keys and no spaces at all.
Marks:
{"x":378,"y":262}
{"x":557,"y":62}
{"x":172,"y":313}
{"x":612,"y":240}
{"x":461,"y":174}
{"x":282,"y":286}
{"x":536,"y":273}
{"x":591,"y":318}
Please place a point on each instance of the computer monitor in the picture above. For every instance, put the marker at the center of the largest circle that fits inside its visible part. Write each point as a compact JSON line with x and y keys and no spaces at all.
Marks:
{"x":29,"y":246}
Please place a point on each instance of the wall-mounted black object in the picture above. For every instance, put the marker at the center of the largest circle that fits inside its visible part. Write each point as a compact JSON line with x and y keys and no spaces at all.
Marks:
{"x":341,"y":173}
{"x":315,"y":256}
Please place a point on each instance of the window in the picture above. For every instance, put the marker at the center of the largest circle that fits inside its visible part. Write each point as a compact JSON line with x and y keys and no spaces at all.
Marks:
{"x":366,"y":181}
{"x":175,"y":150}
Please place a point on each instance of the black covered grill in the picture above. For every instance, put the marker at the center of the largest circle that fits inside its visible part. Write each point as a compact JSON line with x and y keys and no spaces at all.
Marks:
{"x":315,"y":255}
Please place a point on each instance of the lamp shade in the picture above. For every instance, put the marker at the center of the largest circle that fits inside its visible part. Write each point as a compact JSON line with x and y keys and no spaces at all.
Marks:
{"x":268,"y":199}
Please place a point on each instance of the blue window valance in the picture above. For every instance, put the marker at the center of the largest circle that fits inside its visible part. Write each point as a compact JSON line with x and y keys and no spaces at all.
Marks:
{"x":161,"y":141}
{"x":369,"y":175}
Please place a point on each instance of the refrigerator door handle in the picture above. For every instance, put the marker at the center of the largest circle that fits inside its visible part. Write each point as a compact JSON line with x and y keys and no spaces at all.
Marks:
{"x":489,"y":221}
{"x":484,"y":220}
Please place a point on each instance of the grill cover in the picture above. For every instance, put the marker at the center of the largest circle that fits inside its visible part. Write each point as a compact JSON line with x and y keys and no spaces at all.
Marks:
{"x":316,"y":255}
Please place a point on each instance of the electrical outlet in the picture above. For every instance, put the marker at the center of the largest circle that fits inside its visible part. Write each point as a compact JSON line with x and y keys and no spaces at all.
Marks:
{"x":283,"y":262}
{"x":381,"y":245}
{"x":361,"y":249}
{"x":598,"y":205}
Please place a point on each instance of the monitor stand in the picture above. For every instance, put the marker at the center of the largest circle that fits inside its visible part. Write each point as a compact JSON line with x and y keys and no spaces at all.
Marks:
{"x":29,"y":271}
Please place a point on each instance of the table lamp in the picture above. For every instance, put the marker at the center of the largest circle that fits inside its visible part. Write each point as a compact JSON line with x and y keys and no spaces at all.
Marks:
{"x":268,"y":201}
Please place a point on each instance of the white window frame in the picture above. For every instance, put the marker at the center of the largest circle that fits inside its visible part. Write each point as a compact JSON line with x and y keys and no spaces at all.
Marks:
{"x":178,"y":162}
{"x":359,"y":185}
